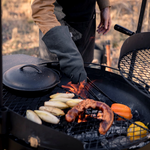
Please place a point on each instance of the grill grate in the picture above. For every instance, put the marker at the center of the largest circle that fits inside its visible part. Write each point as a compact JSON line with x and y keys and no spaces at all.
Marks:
{"x":86,"y":132}
{"x":134,"y":67}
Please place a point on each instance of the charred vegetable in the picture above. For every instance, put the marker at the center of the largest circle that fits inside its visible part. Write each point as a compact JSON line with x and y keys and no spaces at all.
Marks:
{"x":122,"y":110}
{"x":31,"y":115}
{"x":47,"y":117}
{"x":62,"y":95}
{"x":56,"y":104}
{"x":136,"y":132}
{"x":53,"y":110}
{"x":73,"y":102}
{"x":60,"y":99}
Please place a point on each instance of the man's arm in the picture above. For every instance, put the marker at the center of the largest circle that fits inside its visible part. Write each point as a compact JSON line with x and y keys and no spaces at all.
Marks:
{"x":58,"y":40}
{"x":103,"y":4}
{"x":43,"y":14}
{"x":105,"y":17}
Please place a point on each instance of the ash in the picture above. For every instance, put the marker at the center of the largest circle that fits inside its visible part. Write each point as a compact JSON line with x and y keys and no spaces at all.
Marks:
{"x":140,"y":145}
{"x":88,"y":136}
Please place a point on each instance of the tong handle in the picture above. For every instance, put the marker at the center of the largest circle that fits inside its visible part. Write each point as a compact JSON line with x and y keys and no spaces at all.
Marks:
{"x":123,"y":30}
{"x":99,"y":90}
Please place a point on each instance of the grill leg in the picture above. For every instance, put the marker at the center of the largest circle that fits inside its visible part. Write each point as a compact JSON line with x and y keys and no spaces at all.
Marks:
{"x":3,"y":128}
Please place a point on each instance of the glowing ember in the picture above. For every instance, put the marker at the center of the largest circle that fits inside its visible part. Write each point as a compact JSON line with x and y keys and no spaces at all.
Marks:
{"x":81,"y":119}
{"x":100,"y":115}
{"x":84,"y":119}
{"x":77,"y":88}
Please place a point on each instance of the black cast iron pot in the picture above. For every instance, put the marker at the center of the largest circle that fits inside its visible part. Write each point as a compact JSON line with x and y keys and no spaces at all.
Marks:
{"x":29,"y":77}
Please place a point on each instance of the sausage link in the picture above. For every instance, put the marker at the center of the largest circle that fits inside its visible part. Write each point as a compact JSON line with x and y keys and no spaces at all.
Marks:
{"x":108,"y":115}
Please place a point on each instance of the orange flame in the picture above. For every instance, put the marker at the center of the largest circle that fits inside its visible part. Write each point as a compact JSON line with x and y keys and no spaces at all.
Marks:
{"x":77,"y":88}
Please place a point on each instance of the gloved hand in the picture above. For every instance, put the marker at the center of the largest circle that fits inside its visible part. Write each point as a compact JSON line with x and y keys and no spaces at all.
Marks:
{"x":58,"y":40}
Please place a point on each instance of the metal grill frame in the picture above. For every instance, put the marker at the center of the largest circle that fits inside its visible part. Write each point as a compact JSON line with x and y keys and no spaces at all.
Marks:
{"x":103,"y":140}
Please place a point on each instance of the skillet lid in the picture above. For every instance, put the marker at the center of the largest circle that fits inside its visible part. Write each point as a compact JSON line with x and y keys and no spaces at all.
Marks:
{"x":30,"y":78}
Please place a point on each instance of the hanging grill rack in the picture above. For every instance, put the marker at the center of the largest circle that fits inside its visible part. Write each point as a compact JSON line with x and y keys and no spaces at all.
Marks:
{"x":134,"y":58}
{"x":137,"y":73}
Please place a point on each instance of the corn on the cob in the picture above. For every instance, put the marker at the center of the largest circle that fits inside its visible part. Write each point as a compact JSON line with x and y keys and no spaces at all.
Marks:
{"x":47,"y":117}
{"x":31,"y":115}
{"x":73,"y":102}
{"x":56,"y":104}
{"x":60,"y":99}
{"x":53,"y":110}
{"x":62,"y":95}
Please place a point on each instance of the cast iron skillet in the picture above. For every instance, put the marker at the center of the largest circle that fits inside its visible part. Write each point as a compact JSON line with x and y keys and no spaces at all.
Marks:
{"x":30,"y":77}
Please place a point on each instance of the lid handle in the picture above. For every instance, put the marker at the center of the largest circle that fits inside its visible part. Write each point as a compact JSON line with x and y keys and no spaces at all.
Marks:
{"x":32,"y":66}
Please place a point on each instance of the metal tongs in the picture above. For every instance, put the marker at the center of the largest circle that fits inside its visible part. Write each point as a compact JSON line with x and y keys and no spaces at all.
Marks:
{"x":98,"y":89}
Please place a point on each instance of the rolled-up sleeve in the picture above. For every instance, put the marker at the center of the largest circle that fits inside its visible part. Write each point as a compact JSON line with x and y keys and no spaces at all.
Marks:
{"x":103,"y":4}
{"x":43,"y":14}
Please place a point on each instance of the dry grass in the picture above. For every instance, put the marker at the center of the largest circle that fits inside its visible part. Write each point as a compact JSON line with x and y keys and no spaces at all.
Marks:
{"x":20,"y":34}
{"x":125,"y":13}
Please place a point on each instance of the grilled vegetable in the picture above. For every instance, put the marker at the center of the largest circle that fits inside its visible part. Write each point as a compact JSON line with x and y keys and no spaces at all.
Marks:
{"x":47,"y":117}
{"x":136,"y":132}
{"x":53,"y":110}
{"x":122,"y":110}
{"x":60,"y":99}
{"x":125,"y":115}
{"x":31,"y":115}
{"x":62,"y":95}
{"x":73,"y":102}
{"x":56,"y":104}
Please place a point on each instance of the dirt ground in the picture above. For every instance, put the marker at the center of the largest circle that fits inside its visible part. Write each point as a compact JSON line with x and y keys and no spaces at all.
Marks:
{"x":20,"y":33}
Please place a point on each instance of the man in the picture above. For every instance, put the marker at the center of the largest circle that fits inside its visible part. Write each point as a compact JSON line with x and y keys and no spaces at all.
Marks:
{"x":67,"y":32}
